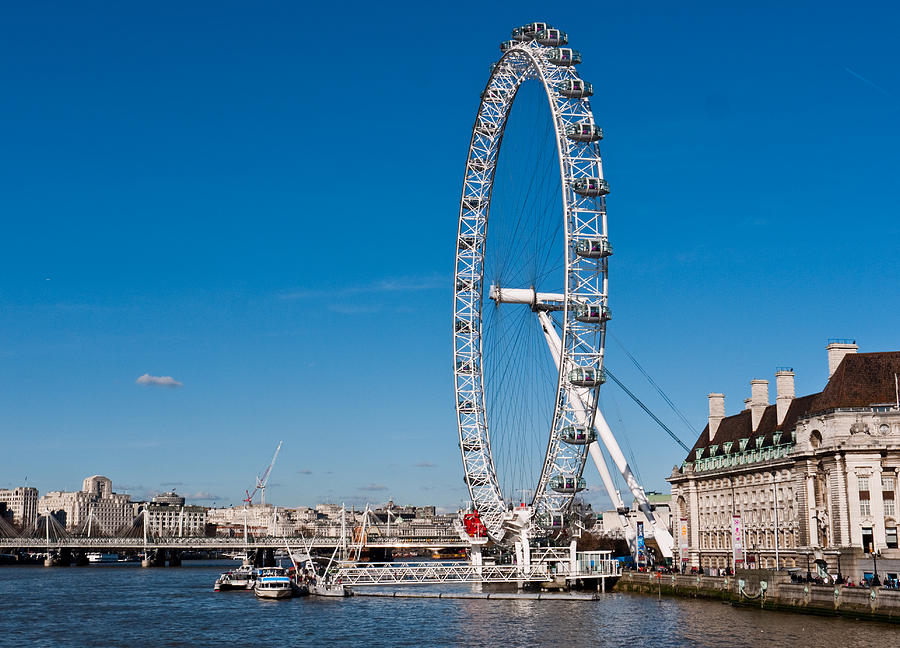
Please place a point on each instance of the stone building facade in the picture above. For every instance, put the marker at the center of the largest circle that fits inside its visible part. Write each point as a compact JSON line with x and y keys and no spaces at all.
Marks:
{"x":22,"y":502}
{"x":167,"y":516}
{"x":814,"y":478}
{"x":96,"y":500}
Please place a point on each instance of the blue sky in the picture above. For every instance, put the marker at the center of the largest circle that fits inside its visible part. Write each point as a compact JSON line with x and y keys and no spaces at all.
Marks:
{"x":260,"y":201}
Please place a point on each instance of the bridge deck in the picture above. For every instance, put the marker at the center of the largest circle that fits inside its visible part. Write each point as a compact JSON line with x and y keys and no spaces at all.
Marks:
{"x":424,"y":573}
{"x":224,"y":544}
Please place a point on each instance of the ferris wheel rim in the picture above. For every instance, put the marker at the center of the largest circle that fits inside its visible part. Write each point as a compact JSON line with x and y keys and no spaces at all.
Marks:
{"x":519,"y":62}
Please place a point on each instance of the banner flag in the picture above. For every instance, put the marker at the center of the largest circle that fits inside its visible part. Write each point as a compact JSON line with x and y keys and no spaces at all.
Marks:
{"x":640,"y":542}
{"x":737,"y":538}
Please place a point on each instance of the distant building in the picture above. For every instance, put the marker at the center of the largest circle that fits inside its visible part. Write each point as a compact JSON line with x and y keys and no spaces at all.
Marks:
{"x":22,"y":503}
{"x":96,"y":498}
{"x":167,"y":516}
{"x":257,"y":520}
{"x":831,"y":461}
{"x":610,"y":522}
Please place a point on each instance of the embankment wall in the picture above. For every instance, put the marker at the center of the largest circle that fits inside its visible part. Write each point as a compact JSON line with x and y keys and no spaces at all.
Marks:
{"x":771,"y":591}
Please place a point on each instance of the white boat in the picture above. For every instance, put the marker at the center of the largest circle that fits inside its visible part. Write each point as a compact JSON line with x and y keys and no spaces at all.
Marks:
{"x":320,"y":588}
{"x":273,"y":582}
{"x":309,"y":578}
{"x":241,"y":578}
{"x":97,"y":557}
{"x":321,"y":584}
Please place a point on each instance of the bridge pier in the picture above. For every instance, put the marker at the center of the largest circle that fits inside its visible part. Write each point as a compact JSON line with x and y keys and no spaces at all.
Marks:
{"x":81,"y":559}
{"x":61,"y":559}
{"x":154,"y":558}
{"x":263,"y":557}
{"x":174,"y":558}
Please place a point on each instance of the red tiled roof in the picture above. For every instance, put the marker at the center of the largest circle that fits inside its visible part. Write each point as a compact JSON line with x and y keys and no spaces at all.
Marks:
{"x":862,"y":379}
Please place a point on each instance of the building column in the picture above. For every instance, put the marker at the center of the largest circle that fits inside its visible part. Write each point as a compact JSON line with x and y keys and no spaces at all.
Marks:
{"x":876,"y":505}
{"x":812,"y":521}
{"x":841,"y":517}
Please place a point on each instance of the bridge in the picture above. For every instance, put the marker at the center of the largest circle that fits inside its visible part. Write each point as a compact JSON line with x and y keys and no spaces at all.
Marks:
{"x":553,"y":565}
{"x":188,"y":543}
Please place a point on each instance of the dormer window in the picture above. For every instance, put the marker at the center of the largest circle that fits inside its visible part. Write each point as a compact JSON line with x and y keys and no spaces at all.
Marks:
{"x":743,"y":443}
{"x":776,"y":438}
{"x":698,"y":453}
{"x":712,"y":449}
{"x":726,"y":447}
{"x":759,"y":442}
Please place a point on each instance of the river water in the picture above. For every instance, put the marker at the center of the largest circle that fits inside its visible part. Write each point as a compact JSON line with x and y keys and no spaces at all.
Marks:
{"x":124,"y":605}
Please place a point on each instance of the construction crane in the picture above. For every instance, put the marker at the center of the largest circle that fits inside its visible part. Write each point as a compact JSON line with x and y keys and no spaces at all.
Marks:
{"x":262,"y":481}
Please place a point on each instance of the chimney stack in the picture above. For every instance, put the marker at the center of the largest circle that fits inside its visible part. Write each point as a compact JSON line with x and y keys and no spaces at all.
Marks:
{"x":837,"y":349}
{"x":784,"y":392}
{"x":716,"y":413}
{"x":759,"y":400}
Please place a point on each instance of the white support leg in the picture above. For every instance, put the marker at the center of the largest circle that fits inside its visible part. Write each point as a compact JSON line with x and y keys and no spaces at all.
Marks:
{"x":583,"y":396}
{"x":660,"y":532}
{"x":615,"y":496}
{"x":596,"y":453}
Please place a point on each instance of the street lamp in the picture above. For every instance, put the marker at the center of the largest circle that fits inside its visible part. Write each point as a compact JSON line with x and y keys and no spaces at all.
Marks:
{"x":808,"y":574}
{"x":875,"y":580}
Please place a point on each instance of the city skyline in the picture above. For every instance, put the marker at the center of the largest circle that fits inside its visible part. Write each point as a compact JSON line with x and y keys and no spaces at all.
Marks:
{"x":184,"y":283}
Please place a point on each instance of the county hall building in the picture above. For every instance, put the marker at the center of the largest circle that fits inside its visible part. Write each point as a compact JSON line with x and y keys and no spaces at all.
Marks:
{"x":813,"y":478}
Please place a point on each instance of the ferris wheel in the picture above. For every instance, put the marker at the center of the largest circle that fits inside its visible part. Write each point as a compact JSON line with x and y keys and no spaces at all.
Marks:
{"x":565,"y":303}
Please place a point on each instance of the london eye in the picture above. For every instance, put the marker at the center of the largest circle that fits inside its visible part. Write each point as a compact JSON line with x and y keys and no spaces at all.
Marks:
{"x":530,"y":284}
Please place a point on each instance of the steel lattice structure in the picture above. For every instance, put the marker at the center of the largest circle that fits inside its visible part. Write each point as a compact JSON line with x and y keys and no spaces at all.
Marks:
{"x":535,"y":55}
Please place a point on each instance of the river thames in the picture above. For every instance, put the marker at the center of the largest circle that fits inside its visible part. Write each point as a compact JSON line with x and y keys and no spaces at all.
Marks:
{"x":124,"y":605}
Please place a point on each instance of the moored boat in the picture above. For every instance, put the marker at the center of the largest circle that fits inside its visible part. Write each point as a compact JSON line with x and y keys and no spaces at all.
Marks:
{"x":236,"y":579}
{"x":323,"y":588}
{"x":97,"y":557}
{"x":321,"y":584}
{"x":273,"y":582}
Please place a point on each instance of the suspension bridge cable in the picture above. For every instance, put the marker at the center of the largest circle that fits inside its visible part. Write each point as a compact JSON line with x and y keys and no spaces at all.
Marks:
{"x":655,"y":386}
{"x":646,"y":409}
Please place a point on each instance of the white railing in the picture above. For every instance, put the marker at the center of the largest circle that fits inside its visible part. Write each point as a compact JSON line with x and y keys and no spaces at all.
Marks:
{"x":430,"y":573}
{"x":425,"y":573}
{"x":216,"y":543}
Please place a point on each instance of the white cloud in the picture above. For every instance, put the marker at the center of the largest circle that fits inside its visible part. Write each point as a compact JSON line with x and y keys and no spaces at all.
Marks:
{"x":424,"y":464}
{"x":373,"y":487}
{"x":157,"y":381}
{"x":378,"y":286}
